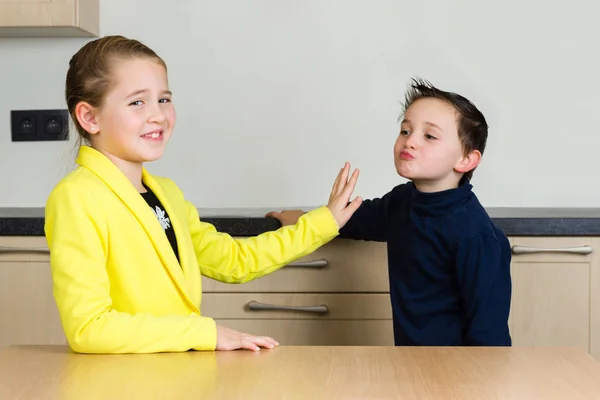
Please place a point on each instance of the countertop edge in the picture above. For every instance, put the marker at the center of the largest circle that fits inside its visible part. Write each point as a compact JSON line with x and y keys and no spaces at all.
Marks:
{"x":252,"y":226}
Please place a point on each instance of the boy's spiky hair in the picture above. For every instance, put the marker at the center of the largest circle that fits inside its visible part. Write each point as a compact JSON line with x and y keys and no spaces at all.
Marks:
{"x":471,"y":124}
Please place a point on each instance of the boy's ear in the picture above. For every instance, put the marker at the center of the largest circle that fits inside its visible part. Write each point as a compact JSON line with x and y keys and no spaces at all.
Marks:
{"x":86,"y":116}
{"x":468,"y":162}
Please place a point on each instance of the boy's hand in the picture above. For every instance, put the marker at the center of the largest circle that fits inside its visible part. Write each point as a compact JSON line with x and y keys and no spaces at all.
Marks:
{"x":286,"y":217}
{"x":339,"y":201}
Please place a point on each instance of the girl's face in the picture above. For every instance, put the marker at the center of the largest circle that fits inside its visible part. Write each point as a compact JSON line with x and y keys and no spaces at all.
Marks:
{"x":137,"y":116}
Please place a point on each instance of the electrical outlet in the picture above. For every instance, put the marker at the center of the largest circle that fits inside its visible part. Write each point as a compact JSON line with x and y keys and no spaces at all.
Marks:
{"x":39,"y":125}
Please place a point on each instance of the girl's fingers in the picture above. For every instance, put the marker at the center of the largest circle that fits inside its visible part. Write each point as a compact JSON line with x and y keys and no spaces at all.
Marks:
{"x":343,"y":180}
{"x":349,"y":187}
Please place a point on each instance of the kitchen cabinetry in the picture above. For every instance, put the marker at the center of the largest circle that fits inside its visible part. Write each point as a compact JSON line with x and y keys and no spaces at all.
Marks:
{"x":338,"y":295}
{"x":49,"y":18}
{"x":555,"y":301}
{"x":556,"y":292}
{"x":28,"y":314}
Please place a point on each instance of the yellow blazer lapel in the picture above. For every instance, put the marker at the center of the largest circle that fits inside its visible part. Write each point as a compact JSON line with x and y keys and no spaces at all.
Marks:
{"x":178,"y":222}
{"x":112,"y":176}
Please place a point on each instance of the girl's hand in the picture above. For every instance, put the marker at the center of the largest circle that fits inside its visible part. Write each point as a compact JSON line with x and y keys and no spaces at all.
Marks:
{"x":339,"y":199}
{"x":228,"y":339}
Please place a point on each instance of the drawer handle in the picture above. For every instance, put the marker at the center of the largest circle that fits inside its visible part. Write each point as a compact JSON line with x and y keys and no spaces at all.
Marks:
{"x":322,"y":263}
{"x":575,"y":250}
{"x":256,"y":306}
{"x":6,"y":249}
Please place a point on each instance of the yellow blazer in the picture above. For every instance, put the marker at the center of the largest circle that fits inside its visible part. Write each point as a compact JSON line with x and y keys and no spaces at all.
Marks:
{"x":117,"y":283}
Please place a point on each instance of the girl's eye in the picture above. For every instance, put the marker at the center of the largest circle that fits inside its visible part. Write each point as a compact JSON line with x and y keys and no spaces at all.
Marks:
{"x":164,"y":101}
{"x":428,"y":136}
{"x":136,"y":103}
{"x":404,"y":133}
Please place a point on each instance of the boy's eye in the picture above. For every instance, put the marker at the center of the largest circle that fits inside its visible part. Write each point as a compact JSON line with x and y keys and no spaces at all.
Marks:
{"x":404,"y":133}
{"x":164,"y":100}
{"x":428,"y":136}
{"x":136,"y":103}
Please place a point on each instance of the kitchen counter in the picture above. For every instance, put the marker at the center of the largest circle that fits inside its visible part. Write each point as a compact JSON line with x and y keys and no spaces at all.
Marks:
{"x":303,"y":372}
{"x":251,"y":221}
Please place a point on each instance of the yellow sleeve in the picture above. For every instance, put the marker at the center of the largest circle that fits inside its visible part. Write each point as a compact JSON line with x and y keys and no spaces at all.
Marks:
{"x":230,"y":260}
{"x":75,"y":227}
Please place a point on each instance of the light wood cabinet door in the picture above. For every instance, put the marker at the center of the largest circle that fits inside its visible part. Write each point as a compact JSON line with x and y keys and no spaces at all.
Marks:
{"x":306,"y":319}
{"x":49,"y":18}
{"x":322,"y":306}
{"x":342,"y":265}
{"x":553,"y":291}
{"x":28,"y":313}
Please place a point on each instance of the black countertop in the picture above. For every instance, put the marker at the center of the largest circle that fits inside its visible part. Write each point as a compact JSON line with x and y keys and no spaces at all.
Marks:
{"x":515,"y":221}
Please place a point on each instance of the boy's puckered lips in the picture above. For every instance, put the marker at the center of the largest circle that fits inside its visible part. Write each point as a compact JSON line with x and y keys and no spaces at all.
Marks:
{"x":405,"y":155}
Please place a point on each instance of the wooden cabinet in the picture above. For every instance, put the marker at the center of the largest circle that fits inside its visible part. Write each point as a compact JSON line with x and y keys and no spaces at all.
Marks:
{"x":49,"y":18}
{"x":28,"y":313}
{"x":555,"y":300}
{"x":306,"y":318}
{"x":556,"y":292}
{"x":338,"y":295}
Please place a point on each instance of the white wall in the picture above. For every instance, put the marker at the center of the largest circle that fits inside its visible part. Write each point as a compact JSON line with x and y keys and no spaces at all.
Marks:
{"x":273,"y":96}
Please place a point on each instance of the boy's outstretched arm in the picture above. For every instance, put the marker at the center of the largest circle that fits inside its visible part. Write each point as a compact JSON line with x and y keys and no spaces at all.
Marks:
{"x":483,"y":268}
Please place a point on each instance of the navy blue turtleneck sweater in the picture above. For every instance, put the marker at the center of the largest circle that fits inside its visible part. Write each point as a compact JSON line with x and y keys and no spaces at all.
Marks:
{"x":449,"y":266}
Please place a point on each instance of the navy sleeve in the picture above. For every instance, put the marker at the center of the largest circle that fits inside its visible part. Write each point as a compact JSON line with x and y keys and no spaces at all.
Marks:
{"x":483,"y":267}
{"x":369,"y":222}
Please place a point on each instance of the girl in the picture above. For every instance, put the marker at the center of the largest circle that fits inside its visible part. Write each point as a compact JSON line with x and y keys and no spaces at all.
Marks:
{"x":127,"y":249}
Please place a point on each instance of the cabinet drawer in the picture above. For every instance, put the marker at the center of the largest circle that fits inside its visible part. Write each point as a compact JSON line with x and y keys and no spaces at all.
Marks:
{"x":311,"y":332}
{"x":339,"y":266}
{"x":296,"y":306}
{"x":24,"y":248}
{"x":552,"y":249}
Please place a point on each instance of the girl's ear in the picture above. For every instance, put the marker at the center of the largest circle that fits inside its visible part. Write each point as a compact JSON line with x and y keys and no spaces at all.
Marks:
{"x":86,"y":116}
{"x":468,"y":162}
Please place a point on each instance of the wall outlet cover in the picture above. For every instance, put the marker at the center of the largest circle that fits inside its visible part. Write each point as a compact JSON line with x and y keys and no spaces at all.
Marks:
{"x":39,"y":125}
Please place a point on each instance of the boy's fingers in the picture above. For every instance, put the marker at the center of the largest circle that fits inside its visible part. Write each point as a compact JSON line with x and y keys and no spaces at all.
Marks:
{"x":273,"y":214}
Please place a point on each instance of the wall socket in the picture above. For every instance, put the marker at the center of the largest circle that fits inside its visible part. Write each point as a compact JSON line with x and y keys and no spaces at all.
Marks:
{"x":39,"y":125}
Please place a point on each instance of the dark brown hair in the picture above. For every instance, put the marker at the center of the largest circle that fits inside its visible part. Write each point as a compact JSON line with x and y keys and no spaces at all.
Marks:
{"x":472,"y":126}
{"x":89,"y":76}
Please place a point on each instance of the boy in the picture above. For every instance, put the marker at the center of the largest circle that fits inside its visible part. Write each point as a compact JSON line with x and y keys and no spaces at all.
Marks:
{"x":449,"y":265}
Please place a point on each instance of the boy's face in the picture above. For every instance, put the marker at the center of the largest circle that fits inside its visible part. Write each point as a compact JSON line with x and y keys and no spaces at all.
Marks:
{"x":428,"y":150}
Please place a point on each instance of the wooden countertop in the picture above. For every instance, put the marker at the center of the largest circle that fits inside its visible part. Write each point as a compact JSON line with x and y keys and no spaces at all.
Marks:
{"x":53,"y":372}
